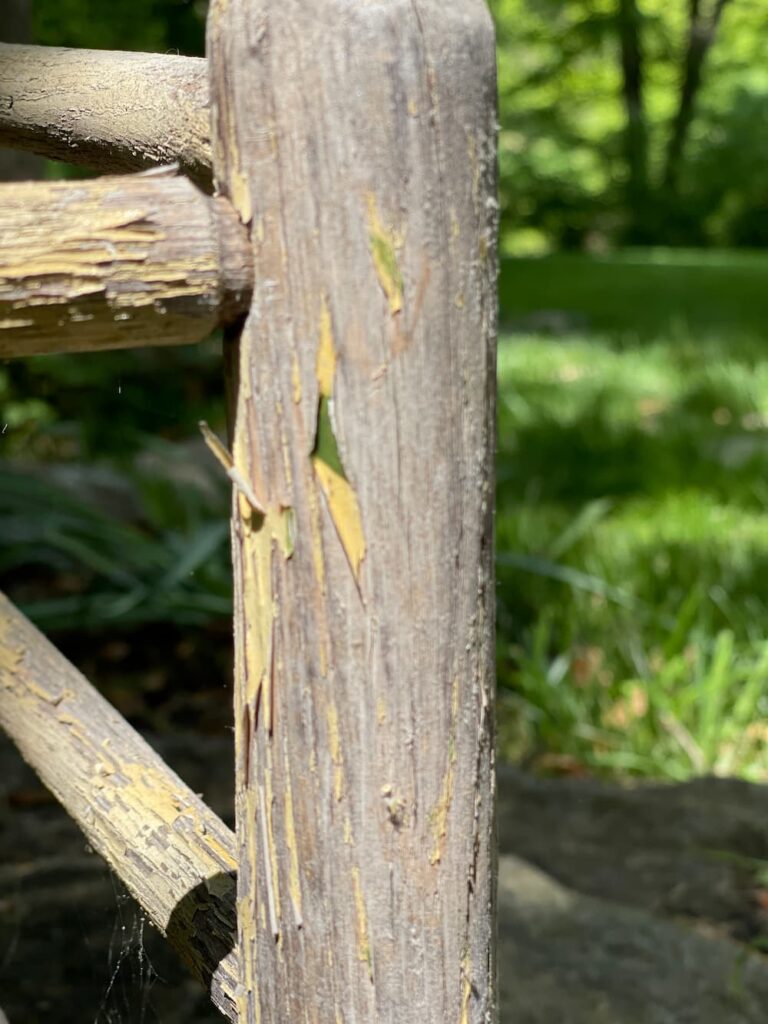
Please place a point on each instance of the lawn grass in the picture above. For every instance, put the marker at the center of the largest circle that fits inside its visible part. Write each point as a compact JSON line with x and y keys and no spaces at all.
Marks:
{"x":632,"y":517}
{"x":642,"y":294}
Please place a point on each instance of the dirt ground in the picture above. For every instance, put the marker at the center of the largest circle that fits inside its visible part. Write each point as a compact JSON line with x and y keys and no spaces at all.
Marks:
{"x":617,"y":906}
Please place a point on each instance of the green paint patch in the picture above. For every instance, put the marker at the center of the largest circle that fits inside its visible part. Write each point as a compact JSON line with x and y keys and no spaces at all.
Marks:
{"x":384,"y":246}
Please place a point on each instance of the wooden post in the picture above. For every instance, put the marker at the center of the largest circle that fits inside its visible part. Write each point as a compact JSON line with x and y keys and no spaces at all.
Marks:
{"x":357,"y":140}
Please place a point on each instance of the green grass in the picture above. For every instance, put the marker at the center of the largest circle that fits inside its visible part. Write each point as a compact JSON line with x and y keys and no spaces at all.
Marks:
{"x":707,"y":295}
{"x":632,"y":519}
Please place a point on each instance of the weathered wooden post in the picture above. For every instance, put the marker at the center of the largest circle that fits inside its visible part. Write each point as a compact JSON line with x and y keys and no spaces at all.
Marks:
{"x":357,"y":141}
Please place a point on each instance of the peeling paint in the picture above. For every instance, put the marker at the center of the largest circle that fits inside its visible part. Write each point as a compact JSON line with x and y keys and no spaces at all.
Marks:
{"x":295,"y":379}
{"x":338,"y":492}
{"x":294,"y":883}
{"x":271,"y":867}
{"x":326,"y":352}
{"x":361,"y":922}
{"x":438,"y":816}
{"x":345,"y":512}
{"x":334,"y":747}
{"x":384,"y":245}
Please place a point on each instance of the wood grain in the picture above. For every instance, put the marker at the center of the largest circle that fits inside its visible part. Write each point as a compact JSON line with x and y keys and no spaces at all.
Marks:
{"x":117,"y":262}
{"x":173,"y":853}
{"x":357,"y":139}
{"x":107,"y":110}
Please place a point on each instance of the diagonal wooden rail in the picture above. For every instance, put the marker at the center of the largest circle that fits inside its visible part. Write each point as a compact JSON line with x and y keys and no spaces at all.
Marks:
{"x":171,"y":851}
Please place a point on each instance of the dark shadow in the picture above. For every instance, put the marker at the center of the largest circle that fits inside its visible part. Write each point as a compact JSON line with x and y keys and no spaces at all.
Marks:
{"x":203,"y":931}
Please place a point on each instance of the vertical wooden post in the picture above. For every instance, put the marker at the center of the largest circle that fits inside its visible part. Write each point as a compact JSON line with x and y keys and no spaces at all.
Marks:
{"x":357,"y":139}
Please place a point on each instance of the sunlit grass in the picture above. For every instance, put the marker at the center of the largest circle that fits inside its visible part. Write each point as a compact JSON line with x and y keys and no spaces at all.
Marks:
{"x":632,"y":531}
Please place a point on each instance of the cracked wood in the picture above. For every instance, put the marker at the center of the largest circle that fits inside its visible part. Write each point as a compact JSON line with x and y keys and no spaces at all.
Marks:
{"x":107,"y":110}
{"x":171,"y":851}
{"x":117,"y":262}
{"x":357,"y":140}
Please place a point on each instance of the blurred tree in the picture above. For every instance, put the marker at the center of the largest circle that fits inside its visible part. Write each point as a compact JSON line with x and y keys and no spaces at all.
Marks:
{"x":613,"y":112}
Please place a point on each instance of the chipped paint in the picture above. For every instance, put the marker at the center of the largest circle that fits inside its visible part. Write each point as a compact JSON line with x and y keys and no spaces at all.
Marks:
{"x":294,"y":883}
{"x":267,"y":797}
{"x":326,"y":352}
{"x":295,"y":379}
{"x":361,"y":922}
{"x":384,"y":244}
{"x":334,"y":748}
{"x":339,"y":495}
{"x":348,"y":838}
{"x":381,"y":711}
{"x":438,"y":816}
{"x":345,"y":512}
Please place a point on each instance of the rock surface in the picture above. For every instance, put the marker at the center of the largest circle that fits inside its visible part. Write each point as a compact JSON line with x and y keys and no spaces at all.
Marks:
{"x":617,"y":906}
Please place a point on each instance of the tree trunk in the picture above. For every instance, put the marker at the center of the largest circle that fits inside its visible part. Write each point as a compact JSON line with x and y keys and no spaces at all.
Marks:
{"x":701,"y":36}
{"x":636,"y":131}
{"x":358,"y":142}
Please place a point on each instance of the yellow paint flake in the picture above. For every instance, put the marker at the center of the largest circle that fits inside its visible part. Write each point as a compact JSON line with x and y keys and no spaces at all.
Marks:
{"x":384,"y":245}
{"x":294,"y":883}
{"x":361,"y":922}
{"x":267,"y":800}
{"x":334,"y":747}
{"x":438,"y":817}
{"x":340,"y":497}
{"x":326,"y":353}
{"x":381,"y":711}
{"x":345,"y":512}
{"x":295,"y":379}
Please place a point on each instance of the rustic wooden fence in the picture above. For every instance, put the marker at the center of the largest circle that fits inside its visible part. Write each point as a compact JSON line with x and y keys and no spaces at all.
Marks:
{"x":348,"y":251}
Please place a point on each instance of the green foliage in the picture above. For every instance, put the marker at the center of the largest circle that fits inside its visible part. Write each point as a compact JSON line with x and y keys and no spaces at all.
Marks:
{"x":78,"y":565}
{"x":632,"y":528}
{"x":152,"y":25}
{"x":561,"y":154}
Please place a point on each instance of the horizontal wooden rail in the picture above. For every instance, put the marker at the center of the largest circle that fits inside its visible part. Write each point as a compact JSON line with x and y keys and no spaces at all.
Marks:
{"x":105,"y":109}
{"x":136,"y":260}
{"x":167,"y":846}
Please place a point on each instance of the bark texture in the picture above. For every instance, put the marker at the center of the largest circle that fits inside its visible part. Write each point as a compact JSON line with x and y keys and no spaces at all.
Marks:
{"x":170,"y":850}
{"x":107,"y":110}
{"x":117,"y":262}
{"x":364,"y":428}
